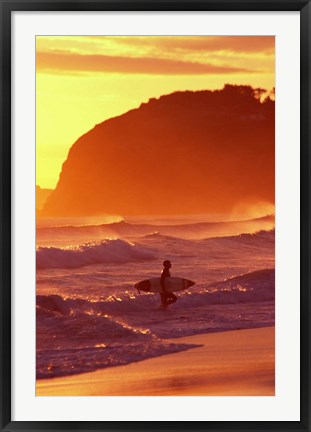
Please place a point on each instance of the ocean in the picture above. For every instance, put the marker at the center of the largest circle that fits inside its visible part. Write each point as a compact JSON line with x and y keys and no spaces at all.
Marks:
{"x":90,"y":316}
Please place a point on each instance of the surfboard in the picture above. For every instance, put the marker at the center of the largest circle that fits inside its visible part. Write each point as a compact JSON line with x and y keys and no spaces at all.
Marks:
{"x":172,"y":284}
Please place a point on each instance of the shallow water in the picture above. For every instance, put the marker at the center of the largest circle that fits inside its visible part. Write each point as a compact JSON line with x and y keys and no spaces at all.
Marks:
{"x":89,"y":315}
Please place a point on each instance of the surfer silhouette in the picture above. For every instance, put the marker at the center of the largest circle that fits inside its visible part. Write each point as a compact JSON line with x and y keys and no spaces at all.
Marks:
{"x":167,"y":298}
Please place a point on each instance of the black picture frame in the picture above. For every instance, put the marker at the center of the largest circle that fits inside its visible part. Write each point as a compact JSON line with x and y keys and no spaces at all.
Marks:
{"x":9,"y":6}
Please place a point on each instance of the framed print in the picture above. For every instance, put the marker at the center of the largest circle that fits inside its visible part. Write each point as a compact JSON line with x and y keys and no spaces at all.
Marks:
{"x":155,"y":215}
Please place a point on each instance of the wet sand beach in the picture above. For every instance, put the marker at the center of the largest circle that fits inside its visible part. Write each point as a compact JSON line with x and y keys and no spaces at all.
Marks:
{"x":231,"y":363}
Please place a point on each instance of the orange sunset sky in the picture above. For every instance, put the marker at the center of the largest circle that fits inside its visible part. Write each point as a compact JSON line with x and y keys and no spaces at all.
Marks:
{"x":84,"y":80}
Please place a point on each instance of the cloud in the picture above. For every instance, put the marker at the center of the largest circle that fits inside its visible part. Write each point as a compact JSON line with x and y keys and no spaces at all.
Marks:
{"x":239,"y":44}
{"x":61,"y":62}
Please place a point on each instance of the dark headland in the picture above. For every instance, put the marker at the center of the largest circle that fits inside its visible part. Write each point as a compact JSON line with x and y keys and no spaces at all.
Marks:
{"x":187,"y":152}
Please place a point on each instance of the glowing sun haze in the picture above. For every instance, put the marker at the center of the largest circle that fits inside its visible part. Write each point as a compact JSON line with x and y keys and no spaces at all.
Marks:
{"x":84,"y":80}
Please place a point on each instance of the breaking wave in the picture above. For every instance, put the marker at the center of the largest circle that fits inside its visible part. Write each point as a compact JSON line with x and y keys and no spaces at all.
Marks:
{"x":106,"y":251}
{"x":256,"y":286}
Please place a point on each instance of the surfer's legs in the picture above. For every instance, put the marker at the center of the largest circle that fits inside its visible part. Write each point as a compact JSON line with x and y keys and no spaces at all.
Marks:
{"x":170,"y":298}
{"x":163,"y":298}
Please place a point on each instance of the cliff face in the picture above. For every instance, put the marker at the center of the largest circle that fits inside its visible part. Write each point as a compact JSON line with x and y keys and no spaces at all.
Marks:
{"x":188,"y":152}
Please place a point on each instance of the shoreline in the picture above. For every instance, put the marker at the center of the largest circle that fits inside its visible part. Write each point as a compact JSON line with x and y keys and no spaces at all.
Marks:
{"x":230,"y":363}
